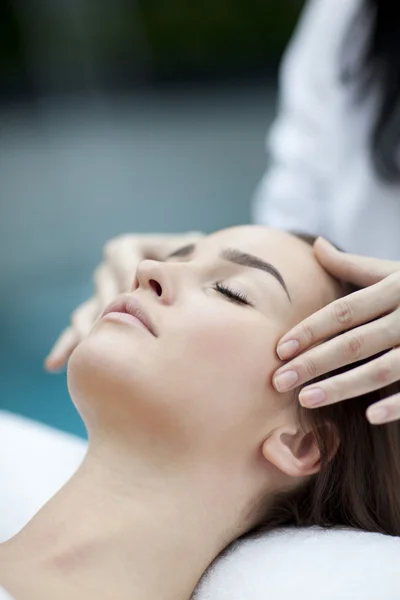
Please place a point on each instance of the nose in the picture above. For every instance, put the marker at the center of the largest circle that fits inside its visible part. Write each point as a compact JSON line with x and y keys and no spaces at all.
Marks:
{"x":154,"y":276}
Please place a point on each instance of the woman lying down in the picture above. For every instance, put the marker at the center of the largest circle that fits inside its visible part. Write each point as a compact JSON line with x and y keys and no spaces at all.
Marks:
{"x":190,"y":447}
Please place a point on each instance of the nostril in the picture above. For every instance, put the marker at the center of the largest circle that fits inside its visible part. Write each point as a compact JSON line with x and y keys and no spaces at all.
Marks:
{"x":155,"y":286}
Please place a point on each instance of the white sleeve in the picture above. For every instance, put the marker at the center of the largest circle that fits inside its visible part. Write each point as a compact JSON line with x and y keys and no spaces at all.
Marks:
{"x":301,"y":141}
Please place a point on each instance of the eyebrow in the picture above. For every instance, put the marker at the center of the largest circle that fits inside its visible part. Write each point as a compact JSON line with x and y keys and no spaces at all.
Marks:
{"x":240,"y":258}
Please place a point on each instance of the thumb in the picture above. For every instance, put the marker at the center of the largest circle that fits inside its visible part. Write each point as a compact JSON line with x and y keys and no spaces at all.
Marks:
{"x":360,"y":270}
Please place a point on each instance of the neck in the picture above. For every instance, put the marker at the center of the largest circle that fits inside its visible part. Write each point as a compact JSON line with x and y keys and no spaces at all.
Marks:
{"x":121,"y":530}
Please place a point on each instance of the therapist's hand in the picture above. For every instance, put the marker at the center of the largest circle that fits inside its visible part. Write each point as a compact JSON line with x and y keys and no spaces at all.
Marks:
{"x":113,"y":276}
{"x":312,"y":353}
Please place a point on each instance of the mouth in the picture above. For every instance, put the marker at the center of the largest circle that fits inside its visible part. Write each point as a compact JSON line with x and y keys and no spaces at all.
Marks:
{"x":128,"y":305}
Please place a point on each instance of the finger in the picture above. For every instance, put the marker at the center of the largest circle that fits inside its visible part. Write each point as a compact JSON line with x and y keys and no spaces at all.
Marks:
{"x":106,"y":286}
{"x":360,"y":270}
{"x":121,"y":257}
{"x":386,"y":411}
{"x":345,"y":313}
{"x":83,"y":318}
{"x":352,"y":346}
{"x":62,"y":350}
{"x":376,"y":374}
{"x":160,"y":247}
{"x":124,"y":254}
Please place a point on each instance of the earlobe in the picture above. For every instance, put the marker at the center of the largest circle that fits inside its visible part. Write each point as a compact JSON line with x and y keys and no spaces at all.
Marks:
{"x":293,"y":451}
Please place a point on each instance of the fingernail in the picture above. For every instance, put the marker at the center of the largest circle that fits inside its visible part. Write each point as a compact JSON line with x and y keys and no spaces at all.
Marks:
{"x":52,"y":358}
{"x":377,"y":414}
{"x":53,"y":362}
{"x":312,"y":397}
{"x":287,"y":349}
{"x":48,"y":360}
{"x":285,"y":381}
{"x":325,"y":243}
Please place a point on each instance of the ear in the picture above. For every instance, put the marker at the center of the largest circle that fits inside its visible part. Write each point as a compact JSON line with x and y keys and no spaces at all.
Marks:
{"x":295,"y":452}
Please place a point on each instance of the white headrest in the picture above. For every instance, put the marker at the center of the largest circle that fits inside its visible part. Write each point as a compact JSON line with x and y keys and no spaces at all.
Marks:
{"x":35,"y":462}
{"x":291,"y":564}
{"x":307,"y":564}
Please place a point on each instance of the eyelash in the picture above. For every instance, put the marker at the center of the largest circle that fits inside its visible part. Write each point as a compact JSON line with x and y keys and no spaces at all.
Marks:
{"x":235,"y":296}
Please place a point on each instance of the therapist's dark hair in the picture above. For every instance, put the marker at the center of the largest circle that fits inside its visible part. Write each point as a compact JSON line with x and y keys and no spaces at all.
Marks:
{"x":357,"y":486}
{"x":377,"y":70}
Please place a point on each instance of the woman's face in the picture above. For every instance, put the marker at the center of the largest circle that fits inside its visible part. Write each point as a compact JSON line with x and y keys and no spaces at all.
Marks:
{"x":201,"y":381}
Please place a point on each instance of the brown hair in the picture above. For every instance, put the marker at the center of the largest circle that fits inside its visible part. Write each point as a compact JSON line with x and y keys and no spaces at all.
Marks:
{"x":360,"y":486}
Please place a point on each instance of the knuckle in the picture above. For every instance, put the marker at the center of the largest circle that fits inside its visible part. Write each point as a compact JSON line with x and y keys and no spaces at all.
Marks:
{"x":387,"y":368}
{"x":310,"y":368}
{"x":353,"y":347}
{"x":343,"y":312}
{"x":383,"y":374}
{"x":308,"y":333}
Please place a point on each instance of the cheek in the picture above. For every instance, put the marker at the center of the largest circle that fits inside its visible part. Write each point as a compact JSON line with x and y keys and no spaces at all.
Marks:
{"x":245,"y":343}
{"x":226,"y":360}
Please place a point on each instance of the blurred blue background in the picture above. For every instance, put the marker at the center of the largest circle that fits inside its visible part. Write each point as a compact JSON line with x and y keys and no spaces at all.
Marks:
{"x":118,"y":116}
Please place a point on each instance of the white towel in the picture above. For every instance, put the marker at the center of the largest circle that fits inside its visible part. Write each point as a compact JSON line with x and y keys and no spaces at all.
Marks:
{"x":307,"y":564}
{"x":300,"y":564}
{"x":35,"y":462}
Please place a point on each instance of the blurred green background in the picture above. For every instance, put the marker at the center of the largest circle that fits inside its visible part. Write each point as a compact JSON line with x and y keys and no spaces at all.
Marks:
{"x":146,"y":41}
{"x":123,"y":116}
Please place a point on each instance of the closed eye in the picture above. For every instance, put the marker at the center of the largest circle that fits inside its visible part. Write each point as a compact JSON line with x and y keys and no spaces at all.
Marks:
{"x":235,"y":296}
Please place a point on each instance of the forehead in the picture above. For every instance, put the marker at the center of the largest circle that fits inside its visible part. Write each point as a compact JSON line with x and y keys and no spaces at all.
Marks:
{"x":309,"y":285}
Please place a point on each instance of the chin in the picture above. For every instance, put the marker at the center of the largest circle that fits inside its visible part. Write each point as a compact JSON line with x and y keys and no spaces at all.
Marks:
{"x":115,"y":394}
{"x":114,"y":379}
{"x":103,"y":367}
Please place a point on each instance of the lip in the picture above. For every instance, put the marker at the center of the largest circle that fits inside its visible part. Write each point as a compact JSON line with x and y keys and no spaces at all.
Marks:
{"x":130,"y":306}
